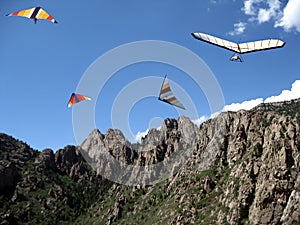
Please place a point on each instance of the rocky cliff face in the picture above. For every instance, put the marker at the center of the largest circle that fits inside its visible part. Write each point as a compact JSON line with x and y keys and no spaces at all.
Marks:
{"x":44,"y":187}
{"x":160,"y":153}
{"x":243,"y":169}
{"x":238,"y":168}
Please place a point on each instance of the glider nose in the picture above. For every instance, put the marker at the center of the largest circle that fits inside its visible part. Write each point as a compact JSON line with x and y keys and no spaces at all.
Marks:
{"x":194,"y":35}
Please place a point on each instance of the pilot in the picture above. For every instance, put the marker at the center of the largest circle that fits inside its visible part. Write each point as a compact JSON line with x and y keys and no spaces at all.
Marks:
{"x":235,"y":58}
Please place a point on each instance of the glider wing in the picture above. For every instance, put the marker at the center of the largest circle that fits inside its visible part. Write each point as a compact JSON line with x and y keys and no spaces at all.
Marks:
{"x":240,"y":48}
{"x":34,"y":13}
{"x":75,"y":98}
{"x":217,"y":41}
{"x":260,"y":45}
{"x":166,"y":94}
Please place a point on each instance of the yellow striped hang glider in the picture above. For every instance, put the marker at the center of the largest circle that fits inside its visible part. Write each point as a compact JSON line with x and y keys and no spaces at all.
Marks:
{"x":36,"y":13}
{"x":167,"y":96}
{"x":75,"y":98}
{"x":241,"y":48}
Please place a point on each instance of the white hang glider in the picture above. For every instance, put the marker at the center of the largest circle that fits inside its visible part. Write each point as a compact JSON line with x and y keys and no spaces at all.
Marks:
{"x":241,"y":48}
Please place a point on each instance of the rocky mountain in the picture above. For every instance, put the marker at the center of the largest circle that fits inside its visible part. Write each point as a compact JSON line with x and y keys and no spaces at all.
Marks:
{"x":286,"y":107}
{"x":238,"y":168}
{"x":43,"y":187}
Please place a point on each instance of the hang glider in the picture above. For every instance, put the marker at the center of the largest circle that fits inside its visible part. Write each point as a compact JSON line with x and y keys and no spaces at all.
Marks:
{"x":75,"y":98}
{"x":240,"y":48}
{"x":167,"y":96}
{"x":34,"y":13}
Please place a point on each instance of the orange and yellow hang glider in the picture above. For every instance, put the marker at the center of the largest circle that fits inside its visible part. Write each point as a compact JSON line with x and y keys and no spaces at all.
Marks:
{"x":34,"y":13}
{"x":75,"y":98}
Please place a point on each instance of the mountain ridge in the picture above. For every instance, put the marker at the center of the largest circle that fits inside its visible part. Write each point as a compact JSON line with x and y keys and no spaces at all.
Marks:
{"x":239,"y":168}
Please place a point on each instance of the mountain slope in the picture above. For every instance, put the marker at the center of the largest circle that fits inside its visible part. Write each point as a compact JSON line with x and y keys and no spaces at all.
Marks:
{"x":238,"y":168}
{"x":43,"y":187}
{"x":244,"y":169}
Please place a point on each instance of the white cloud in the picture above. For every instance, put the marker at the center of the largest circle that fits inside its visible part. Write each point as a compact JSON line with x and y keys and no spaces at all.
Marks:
{"x":244,"y":105}
{"x":290,"y":17}
{"x":214,"y":115}
{"x":287,"y":94}
{"x":266,"y":14}
{"x":140,"y":135}
{"x":262,"y":11}
{"x":199,"y":120}
{"x":249,"y":8}
{"x":239,"y":28}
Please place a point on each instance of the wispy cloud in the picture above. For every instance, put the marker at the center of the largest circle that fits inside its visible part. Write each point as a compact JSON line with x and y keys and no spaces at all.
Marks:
{"x":272,"y":11}
{"x":239,"y":28}
{"x":249,"y":7}
{"x":290,"y":17}
{"x":262,"y":11}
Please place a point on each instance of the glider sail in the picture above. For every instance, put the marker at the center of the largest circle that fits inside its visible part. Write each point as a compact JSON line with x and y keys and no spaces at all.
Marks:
{"x":75,"y":98}
{"x":260,"y":45}
{"x":242,"y":47}
{"x":34,"y":13}
{"x":166,"y":94}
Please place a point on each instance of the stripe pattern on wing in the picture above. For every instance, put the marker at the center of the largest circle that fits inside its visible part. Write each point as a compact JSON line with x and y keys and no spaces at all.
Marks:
{"x":34,"y":13}
{"x":75,"y":98}
{"x":167,"y":95}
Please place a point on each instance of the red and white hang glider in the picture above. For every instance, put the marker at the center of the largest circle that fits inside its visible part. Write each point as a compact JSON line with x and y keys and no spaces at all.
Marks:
{"x":76,"y":98}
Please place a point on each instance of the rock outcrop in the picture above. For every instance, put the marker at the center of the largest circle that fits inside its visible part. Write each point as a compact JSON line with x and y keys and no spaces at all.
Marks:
{"x":159,"y":154}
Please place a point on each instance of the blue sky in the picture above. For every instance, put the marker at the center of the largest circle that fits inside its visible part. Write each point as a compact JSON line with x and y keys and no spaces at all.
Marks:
{"x":43,"y":63}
